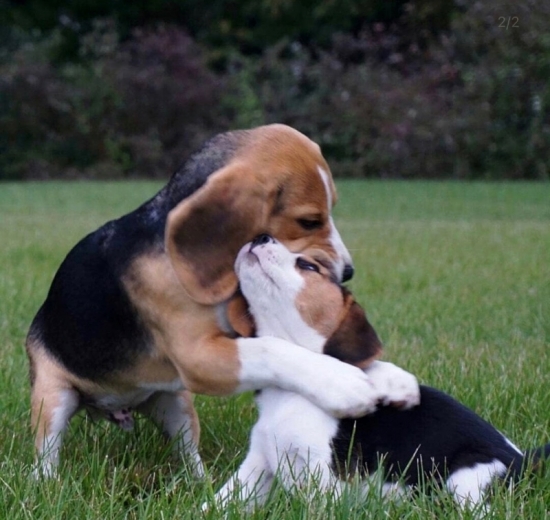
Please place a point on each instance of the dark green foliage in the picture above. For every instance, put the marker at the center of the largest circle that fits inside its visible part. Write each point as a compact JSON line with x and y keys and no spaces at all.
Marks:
{"x":131,"y":108}
{"x":474,"y":102}
{"x":249,"y":25}
{"x":389,"y":89}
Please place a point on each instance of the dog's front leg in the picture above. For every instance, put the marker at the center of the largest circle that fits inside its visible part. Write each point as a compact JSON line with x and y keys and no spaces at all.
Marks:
{"x":340,"y":389}
{"x":222,"y":366}
{"x":396,"y":386}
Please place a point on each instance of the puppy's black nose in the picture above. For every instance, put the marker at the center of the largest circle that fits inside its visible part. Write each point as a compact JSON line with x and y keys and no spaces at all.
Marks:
{"x":348,"y":272}
{"x":264,"y":238}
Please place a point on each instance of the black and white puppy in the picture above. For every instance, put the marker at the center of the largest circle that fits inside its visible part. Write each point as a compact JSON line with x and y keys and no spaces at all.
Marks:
{"x":295,"y":297}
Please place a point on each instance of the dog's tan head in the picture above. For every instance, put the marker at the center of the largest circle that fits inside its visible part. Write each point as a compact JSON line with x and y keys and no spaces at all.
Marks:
{"x":298,"y":298}
{"x":276,"y":182}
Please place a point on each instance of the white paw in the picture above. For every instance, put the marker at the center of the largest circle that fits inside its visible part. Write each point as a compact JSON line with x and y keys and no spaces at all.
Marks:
{"x":342,"y":390}
{"x":395,"y":386}
{"x":44,"y":470}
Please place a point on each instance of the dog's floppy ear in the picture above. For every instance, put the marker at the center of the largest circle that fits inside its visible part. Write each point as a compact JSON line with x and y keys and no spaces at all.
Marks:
{"x":205,"y":231}
{"x":355,"y":341}
{"x":239,"y":317}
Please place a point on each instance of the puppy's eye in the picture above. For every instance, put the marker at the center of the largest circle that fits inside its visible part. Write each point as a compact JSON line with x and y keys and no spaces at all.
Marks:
{"x":304,"y":265}
{"x":310,"y":224}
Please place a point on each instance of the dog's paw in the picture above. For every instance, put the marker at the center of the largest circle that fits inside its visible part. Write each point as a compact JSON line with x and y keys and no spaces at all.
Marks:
{"x":340,"y":389}
{"x":396,"y":387}
{"x":44,"y":470}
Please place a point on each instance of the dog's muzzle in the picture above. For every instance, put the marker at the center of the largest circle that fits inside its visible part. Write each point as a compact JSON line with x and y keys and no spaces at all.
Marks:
{"x":260,"y":240}
{"x":348,"y":272}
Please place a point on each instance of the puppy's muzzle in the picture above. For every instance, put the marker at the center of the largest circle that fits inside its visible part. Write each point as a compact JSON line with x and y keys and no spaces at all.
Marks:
{"x":264,"y":238}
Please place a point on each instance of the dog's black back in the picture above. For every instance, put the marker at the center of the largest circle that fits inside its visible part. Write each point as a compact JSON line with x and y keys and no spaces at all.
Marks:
{"x":433,"y":439}
{"x":87,"y":321}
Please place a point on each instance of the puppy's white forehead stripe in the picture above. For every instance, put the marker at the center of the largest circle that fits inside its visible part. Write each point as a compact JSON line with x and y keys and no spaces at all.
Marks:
{"x":271,"y":285}
{"x":324,"y":178}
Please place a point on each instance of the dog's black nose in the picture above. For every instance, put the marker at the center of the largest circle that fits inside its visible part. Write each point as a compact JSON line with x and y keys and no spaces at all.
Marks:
{"x":264,"y":238}
{"x":348,"y":272}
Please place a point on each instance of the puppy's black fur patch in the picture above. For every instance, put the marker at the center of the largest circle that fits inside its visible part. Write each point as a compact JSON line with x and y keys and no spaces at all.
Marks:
{"x":431,"y":440}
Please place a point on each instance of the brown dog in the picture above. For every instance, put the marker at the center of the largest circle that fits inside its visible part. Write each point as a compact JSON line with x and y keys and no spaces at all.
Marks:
{"x":136,"y":314}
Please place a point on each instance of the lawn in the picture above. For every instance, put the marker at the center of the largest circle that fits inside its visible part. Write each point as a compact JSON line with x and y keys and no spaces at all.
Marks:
{"x":454,"y":277}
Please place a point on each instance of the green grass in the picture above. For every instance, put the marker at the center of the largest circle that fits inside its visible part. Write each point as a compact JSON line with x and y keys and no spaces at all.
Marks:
{"x":455,"y":278}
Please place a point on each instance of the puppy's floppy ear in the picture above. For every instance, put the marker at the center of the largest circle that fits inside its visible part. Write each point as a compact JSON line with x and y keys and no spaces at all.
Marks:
{"x":239,"y":317}
{"x":205,"y":231}
{"x":355,"y":341}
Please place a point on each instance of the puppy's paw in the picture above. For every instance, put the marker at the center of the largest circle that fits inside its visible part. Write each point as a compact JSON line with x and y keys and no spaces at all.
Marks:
{"x":206,"y":507}
{"x":396,"y":387}
{"x":342,"y":390}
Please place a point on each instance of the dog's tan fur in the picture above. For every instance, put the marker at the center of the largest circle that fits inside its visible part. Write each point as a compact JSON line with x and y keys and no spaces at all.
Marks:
{"x":263,"y":189}
{"x":271,"y":180}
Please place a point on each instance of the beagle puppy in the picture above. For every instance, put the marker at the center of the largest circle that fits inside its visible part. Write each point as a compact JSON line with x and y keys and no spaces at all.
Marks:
{"x":298,"y":298}
{"x":135,"y":318}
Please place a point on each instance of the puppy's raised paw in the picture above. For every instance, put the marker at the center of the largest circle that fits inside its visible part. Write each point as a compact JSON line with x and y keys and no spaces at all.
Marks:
{"x":396,"y":387}
{"x":340,"y":389}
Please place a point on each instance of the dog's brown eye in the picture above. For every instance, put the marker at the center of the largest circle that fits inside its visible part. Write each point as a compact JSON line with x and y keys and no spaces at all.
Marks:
{"x":304,"y":265}
{"x":310,"y":224}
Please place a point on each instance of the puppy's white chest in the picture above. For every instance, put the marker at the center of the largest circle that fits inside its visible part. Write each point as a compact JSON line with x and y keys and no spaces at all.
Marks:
{"x":289,"y":423}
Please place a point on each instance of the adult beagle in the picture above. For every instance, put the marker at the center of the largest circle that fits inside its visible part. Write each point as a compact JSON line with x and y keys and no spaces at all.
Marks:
{"x":135,"y":318}
{"x":298,"y":298}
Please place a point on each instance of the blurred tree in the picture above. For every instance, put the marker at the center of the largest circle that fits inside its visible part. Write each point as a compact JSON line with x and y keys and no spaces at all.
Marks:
{"x":399,"y":88}
{"x":247,"y":25}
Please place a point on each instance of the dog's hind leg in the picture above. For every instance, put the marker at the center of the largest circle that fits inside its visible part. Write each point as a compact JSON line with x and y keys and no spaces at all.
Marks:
{"x":175,"y":414}
{"x":53,"y":403}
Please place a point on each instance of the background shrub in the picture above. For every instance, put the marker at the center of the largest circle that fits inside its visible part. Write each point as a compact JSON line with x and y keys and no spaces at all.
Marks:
{"x":436,"y":89}
{"x":125,"y":108}
{"x":388,"y":102}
